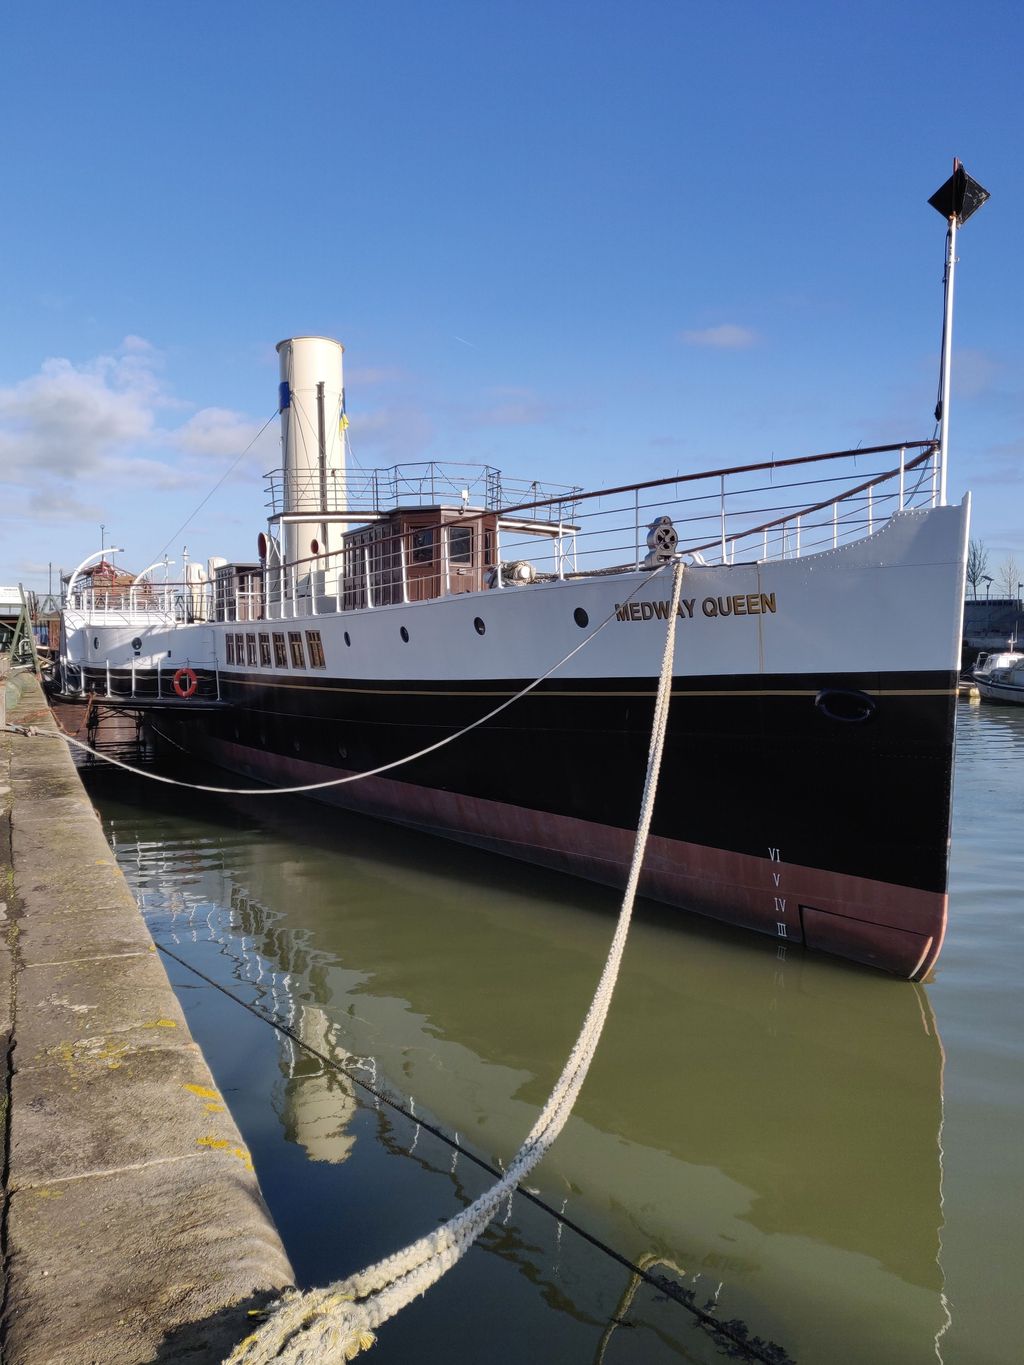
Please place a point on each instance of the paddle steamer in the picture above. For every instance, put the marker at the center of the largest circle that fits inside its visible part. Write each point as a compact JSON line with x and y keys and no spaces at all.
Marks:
{"x":805,"y":789}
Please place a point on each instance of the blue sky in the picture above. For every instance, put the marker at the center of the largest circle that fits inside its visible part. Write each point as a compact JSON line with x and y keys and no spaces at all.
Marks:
{"x":589,"y":242}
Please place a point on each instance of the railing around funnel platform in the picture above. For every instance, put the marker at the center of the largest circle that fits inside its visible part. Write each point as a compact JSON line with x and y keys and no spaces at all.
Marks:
{"x":368,"y":493}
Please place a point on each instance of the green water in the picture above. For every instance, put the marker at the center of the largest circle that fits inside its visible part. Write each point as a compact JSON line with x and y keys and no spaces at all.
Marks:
{"x":829,"y":1156}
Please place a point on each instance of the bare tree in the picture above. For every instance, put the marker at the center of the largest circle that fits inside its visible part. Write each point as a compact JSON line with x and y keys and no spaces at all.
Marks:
{"x":1008,"y":576}
{"x":977,"y":563}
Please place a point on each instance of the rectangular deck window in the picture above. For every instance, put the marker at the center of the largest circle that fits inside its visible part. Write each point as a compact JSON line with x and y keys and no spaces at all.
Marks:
{"x":239,"y":649}
{"x":264,"y":651}
{"x":250,"y":650}
{"x":298,"y":654}
{"x":460,"y":545}
{"x":423,"y":546}
{"x":280,"y":653}
{"x":229,"y":646}
{"x":316,"y":649}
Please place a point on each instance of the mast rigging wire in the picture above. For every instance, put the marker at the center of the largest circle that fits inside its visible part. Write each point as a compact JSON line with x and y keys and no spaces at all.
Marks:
{"x":230,"y":469}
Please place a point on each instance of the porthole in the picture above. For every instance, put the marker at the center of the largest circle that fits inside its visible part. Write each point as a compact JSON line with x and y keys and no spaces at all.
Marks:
{"x":95,"y":642}
{"x":296,"y":745}
{"x":137,"y":644}
{"x":478,"y":625}
{"x":404,"y":634}
{"x":342,"y":751}
{"x":238,"y":734}
{"x":348,"y":638}
{"x":581,"y":618}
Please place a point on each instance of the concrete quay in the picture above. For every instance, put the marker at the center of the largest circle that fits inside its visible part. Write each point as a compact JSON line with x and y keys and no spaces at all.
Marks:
{"x":133,"y":1225}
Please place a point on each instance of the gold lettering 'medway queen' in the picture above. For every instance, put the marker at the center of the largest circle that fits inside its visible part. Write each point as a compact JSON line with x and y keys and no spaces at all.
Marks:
{"x":740,"y":604}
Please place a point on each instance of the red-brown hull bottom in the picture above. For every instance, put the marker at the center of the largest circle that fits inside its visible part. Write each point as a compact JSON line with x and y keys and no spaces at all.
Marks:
{"x":898,"y":929}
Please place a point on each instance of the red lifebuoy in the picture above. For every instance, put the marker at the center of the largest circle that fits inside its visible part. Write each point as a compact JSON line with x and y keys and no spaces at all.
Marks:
{"x":189,"y":690}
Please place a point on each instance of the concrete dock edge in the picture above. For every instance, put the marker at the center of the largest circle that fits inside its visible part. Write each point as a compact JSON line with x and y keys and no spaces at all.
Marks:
{"x":133,"y":1225}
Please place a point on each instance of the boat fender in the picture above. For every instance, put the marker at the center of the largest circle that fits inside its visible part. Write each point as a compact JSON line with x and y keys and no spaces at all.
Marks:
{"x":845,"y":705}
{"x":191,"y":682}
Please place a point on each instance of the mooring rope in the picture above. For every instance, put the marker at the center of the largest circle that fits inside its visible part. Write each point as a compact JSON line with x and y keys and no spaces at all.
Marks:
{"x":734,"y":1332}
{"x":336,"y":1323}
{"x":352,"y":777}
{"x":307,"y":1326}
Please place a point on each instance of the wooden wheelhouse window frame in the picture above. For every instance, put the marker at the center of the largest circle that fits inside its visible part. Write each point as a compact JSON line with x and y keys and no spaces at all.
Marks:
{"x":280,"y":651}
{"x":264,"y":650}
{"x":462,"y":534}
{"x":229,"y":647}
{"x":315,"y":649}
{"x":250,"y":649}
{"x":296,"y":649}
{"x":423,"y":541}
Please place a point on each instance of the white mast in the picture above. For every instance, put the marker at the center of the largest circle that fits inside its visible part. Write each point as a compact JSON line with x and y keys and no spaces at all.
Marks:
{"x":947,"y":351}
{"x":956,"y":201}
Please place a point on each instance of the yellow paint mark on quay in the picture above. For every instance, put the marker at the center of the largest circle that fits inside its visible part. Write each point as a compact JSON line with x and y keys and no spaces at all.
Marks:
{"x":216,"y":1108}
{"x":163,"y":1023}
{"x":203,"y":1091}
{"x":223,"y":1145}
{"x":50,"y":1194}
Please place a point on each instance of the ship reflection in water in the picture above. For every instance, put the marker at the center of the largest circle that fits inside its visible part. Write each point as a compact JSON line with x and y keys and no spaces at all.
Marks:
{"x":761,"y":1128}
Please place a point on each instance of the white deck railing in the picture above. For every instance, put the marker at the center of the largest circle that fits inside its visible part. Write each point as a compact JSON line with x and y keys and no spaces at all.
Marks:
{"x":780,"y":509}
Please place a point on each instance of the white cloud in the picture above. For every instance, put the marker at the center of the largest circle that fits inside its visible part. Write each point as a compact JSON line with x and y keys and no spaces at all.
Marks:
{"x":107,"y":440}
{"x":33,"y":568}
{"x":509,"y":407}
{"x":727,"y":336}
{"x":358,"y":377}
{"x":139,"y":345}
{"x":47,"y":505}
{"x":391,"y":435}
{"x":974,"y":372}
{"x":152,"y":475}
{"x":216,"y":431}
{"x":65,"y":419}
{"x":103,"y":419}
